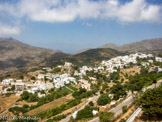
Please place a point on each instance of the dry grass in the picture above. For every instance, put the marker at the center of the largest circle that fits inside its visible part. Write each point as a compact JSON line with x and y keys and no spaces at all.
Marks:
{"x":24,"y":102}
{"x":50,"y":105}
{"x":7,"y":102}
{"x":130,"y":71}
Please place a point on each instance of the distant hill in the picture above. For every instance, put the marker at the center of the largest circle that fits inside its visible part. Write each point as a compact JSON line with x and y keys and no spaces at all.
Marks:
{"x":83,"y":50}
{"x":89,"y":57}
{"x":16,"y":55}
{"x":109,"y":45}
{"x":148,"y":46}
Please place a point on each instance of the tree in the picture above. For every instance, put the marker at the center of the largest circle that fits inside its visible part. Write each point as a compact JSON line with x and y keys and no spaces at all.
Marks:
{"x":91,"y":103}
{"x":151,"y":102}
{"x":13,"y":88}
{"x":106,"y":117}
{"x":24,"y":95}
{"x":124,"y":109}
{"x":33,"y":78}
{"x":103,"y":99}
{"x":42,"y":92}
{"x":56,"y":70}
{"x":155,"y":81}
{"x":118,"y":91}
{"x":84,"y":113}
{"x":21,"y":77}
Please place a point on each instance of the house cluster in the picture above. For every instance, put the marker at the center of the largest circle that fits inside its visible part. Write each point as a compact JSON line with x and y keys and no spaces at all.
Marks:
{"x":121,"y":61}
{"x":83,"y":71}
{"x":21,"y":85}
{"x":62,"y":80}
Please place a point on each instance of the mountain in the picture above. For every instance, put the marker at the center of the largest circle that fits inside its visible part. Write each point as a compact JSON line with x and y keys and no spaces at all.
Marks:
{"x":109,"y":45}
{"x":83,"y":50}
{"x":89,"y":57}
{"x":146,"y":46}
{"x":149,"y":45}
{"x":16,"y":55}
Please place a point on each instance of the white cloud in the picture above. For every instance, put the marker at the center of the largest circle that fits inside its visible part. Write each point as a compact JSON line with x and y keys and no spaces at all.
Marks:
{"x":87,"y":24}
{"x":69,"y":10}
{"x":6,"y":29}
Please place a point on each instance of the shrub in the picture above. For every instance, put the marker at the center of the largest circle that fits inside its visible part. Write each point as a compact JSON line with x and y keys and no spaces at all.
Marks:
{"x":103,"y":99}
{"x":124,"y":109}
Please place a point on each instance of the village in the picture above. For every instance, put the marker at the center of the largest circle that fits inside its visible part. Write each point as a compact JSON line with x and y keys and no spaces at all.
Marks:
{"x":72,"y":77}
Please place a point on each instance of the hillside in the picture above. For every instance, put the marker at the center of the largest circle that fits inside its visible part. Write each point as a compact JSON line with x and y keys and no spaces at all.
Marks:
{"x":16,"y":55}
{"x":89,"y":57}
{"x":109,"y":45}
{"x":147,"y":46}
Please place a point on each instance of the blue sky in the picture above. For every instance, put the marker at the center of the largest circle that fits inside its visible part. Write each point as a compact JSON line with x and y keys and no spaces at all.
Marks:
{"x":71,"y":25}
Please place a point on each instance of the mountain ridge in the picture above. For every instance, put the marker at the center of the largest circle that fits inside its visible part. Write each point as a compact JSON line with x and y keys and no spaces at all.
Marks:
{"x":147,"y":46}
{"x":15,"y":54}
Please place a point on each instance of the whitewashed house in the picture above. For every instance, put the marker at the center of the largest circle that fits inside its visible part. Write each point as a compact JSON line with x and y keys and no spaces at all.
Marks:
{"x":94,"y":112}
{"x":61,"y":80}
{"x":159,"y":59}
{"x":41,"y":76}
{"x":7,"y":81}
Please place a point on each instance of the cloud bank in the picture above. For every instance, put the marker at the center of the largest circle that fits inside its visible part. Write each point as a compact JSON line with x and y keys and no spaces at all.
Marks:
{"x":6,"y":29}
{"x":69,"y":10}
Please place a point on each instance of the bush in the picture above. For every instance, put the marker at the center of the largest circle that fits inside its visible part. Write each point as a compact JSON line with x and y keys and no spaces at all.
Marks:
{"x":84,"y":113}
{"x":103,"y":99}
{"x":124,"y":109}
{"x":91,"y":103}
{"x":33,"y":78}
{"x":57,"y":118}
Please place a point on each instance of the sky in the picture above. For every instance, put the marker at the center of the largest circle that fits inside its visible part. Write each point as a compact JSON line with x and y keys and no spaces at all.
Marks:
{"x":72,"y":25}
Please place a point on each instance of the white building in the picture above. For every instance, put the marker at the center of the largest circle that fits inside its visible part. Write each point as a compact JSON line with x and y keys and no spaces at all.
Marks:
{"x":41,"y":76}
{"x":158,"y":59}
{"x":7,"y":81}
{"x":68,"y":64}
{"x":94,"y":112}
{"x":84,"y":84}
{"x":61,"y":80}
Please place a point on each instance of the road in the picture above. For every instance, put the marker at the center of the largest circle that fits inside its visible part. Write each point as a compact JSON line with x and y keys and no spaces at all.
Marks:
{"x":118,"y":109}
{"x":94,"y":98}
{"x":134,"y":115}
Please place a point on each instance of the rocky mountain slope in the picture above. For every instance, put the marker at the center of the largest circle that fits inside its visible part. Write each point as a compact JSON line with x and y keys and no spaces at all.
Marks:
{"x":148,"y":45}
{"x":89,"y":57}
{"x":15,"y":54}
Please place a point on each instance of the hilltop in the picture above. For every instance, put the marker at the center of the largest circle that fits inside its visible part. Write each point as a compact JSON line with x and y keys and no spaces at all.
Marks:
{"x":89,"y":57}
{"x":16,"y":55}
{"x":147,"y":46}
